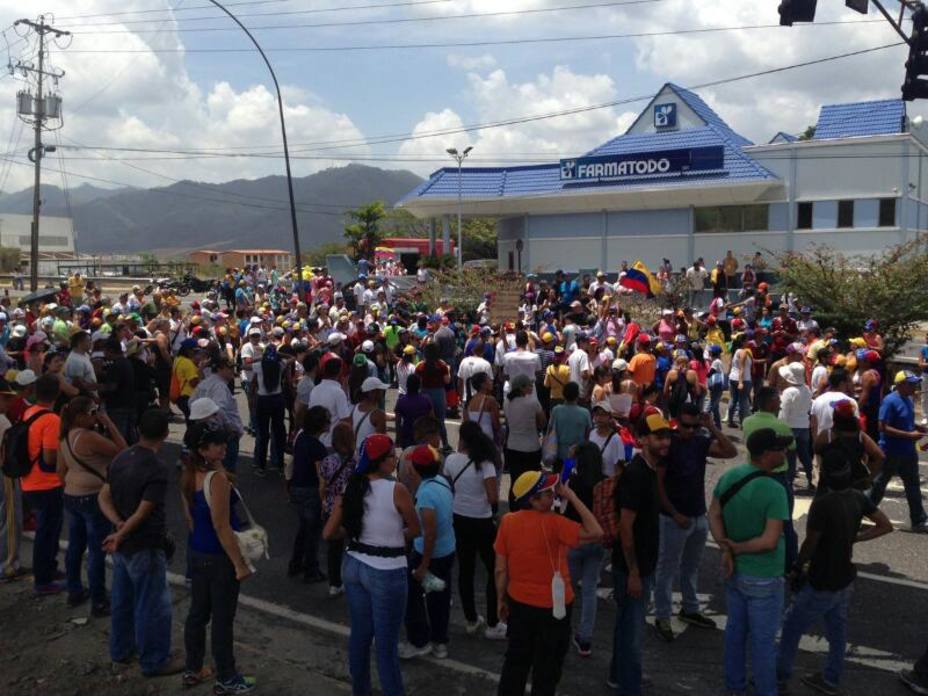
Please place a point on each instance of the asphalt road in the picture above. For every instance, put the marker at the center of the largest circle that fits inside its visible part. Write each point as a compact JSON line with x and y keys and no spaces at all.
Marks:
{"x":891,"y":596}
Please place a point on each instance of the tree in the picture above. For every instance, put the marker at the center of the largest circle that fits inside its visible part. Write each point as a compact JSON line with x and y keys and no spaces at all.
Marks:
{"x":317,"y":255}
{"x":364,"y":233}
{"x":845,"y":292}
{"x":9,"y":259}
{"x":808,"y":133}
{"x":479,"y":238}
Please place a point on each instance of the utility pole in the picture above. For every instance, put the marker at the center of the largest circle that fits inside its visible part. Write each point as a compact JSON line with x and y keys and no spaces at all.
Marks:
{"x":459,"y":157}
{"x":40,"y":109}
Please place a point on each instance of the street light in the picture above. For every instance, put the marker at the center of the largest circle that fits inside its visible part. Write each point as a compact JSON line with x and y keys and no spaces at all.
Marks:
{"x":459,"y":157}
{"x":283,"y":132}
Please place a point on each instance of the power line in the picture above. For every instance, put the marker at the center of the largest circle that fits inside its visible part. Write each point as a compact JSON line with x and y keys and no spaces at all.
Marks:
{"x":468,"y":44}
{"x":393,"y":20}
{"x":317,"y":10}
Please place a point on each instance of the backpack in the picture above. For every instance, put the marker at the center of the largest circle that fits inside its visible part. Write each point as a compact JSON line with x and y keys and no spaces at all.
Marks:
{"x":271,"y":369}
{"x":16,"y":460}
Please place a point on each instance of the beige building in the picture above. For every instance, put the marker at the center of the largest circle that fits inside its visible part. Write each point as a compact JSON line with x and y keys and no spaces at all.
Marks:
{"x":236,"y":258}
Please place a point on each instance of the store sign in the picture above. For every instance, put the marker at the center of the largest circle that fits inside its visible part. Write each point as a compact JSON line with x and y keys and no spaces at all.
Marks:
{"x":651,"y":164}
{"x":665,"y":115}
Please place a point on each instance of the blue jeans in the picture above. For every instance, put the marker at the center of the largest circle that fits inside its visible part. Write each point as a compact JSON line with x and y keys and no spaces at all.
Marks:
{"x":269,"y":411}
{"x":141,"y":606}
{"x":802,"y":452}
{"x":740,"y":401}
{"x":715,"y":398}
{"x":680,"y":552}
{"x":629,"y":629}
{"x":755,"y":606}
{"x":49,"y":516}
{"x":807,"y":607}
{"x":585,"y":563}
{"x":439,"y":406}
{"x":907,"y":467}
{"x":376,"y":604}
{"x":87,"y":528}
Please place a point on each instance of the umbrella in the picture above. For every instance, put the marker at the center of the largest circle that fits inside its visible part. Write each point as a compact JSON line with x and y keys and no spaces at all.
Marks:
{"x":42,"y":295}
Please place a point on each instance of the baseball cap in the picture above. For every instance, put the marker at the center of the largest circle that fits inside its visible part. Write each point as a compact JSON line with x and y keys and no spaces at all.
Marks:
{"x":644,"y":339}
{"x":25,"y":377}
{"x":409,"y":350}
{"x":372,"y":383}
{"x":652,"y":423}
{"x":619,"y":365}
{"x":424,"y":455}
{"x":532,"y":483}
{"x":374,"y":447}
{"x":335,"y":337}
{"x":202,"y":408}
{"x":603,"y":406}
{"x":367,"y":346}
{"x":766,"y":439}
{"x":906,"y":376}
{"x":359,"y":360}
{"x":547,"y":337}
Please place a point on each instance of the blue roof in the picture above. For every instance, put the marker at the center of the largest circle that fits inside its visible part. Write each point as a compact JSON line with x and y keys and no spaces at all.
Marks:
{"x":783,"y":137}
{"x":883,"y":117}
{"x":705,"y":112}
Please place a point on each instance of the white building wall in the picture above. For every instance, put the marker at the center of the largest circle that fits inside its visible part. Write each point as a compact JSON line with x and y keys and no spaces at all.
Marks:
{"x":55,"y":233}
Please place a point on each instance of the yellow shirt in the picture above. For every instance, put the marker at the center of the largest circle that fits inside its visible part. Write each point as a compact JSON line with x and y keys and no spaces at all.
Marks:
{"x":556,"y":378}
{"x":186,"y":373}
{"x":715,"y":337}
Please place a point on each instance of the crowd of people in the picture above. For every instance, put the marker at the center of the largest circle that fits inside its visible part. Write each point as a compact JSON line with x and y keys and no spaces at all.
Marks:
{"x":599,"y":424}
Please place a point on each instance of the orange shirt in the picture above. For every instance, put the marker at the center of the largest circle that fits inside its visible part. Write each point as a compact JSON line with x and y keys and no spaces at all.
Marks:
{"x":521,"y":539}
{"x":643,"y":368}
{"x":43,"y":434}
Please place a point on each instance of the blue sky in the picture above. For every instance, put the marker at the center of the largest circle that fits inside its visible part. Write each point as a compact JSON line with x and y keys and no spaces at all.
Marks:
{"x":184,"y":100}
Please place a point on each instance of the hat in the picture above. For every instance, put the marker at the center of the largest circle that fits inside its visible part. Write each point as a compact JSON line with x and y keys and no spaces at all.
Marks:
{"x":520,"y":382}
{"x":424,"y":455}
{"x":409,"y":349}
{"x":794,"y":373}
{"x":845,"y":409}
{"x":367,"y":346}
{"x":653,"y":423}
{"x":211,"y":436}
{"x":6,"y":388}
{"x":374,"y":447}
{"x":558,"y":350}
{"x":372,"y":383}
{"x":603,"y":406}
{"x":202,"y":408}
{"x":25,"y":377}
{"x":532,"y":483}
{"x":611,"y":341}
{"x":871,"y":325}
{"x":644,"y":339}
{"x":188,"y":343}
{"x":19,"y":331}
{"x":906,"y":376}
{"x":619,"y":365}
{"x":335,"y":338}
{"x":766,"y":439}
{"x":277,"y":331}
{"x":359,"y":360}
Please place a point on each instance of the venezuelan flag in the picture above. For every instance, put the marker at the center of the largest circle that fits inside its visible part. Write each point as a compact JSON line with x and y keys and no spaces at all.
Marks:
{"x":640,"y":279}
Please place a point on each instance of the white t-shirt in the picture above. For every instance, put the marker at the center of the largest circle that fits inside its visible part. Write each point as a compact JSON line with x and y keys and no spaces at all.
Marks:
{"x":819,"y":376}
{"x":823,"y":409}
{"x":613,"y":453}
{"x":470,"y":494}
{"x":250,"y":350}
{"x":521,"y":362}
{"x":795,"y":404}
{"x":329,"y":394}
{"x":579,"y":362}
{"x":473,"y":364}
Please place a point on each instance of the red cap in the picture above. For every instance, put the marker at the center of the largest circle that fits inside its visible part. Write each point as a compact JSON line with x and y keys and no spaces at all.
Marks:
{"x":644,"y":339}
{"x":424,"y":455}
{"x":377,"y":445}
{"x":872,"y":356}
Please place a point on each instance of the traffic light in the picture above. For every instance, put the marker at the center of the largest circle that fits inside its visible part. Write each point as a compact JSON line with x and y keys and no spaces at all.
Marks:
{"x":796,"y":11}
{"x":916,"y":87}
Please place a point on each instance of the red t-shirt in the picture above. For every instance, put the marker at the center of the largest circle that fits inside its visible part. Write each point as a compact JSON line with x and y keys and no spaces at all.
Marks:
{"x":432,"y":375}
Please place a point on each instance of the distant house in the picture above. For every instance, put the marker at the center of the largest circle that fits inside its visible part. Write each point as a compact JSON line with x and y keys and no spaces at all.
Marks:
{"x":236,"y":258}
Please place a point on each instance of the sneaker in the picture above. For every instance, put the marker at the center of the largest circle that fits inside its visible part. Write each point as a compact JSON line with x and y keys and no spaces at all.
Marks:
{"x":697,"y":619}
{"x":471,"y":627}
{"x":440,"y":650}
{"x":52,"y":588}
{"x":664,"y":630}
{"x":75,"y":599}
{"x":497,"y":632}
{"x":239,"y":684}
{"x":190,"y":679}
{"x":407,"y":650}
{"x":915,"y":681}
{"x":584,"y":649}
{"x":921,"y":527}
{"x":336,"y":590}
{"x":817,"y":682}
{"x":924,"y":421}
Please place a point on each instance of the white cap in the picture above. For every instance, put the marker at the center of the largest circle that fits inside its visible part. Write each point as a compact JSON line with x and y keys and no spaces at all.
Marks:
{"x":202,"y":408}
{"x":254,"y":331}
{"x":277,"y":331}
{"x":604,"y":405}
{"x":25,"y":378}
{"x":619,"y":365}
{"x":336,"y":337}
{"x":19,"y":331}
{"x":372,"y":383}
{"x":367,"y":346}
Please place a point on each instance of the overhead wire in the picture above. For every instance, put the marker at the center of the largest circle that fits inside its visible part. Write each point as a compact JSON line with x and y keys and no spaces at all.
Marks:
{"x":167,"y":9}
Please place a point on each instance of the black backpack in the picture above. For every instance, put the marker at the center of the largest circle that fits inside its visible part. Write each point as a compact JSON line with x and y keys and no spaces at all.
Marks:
{"x":16,"y":460}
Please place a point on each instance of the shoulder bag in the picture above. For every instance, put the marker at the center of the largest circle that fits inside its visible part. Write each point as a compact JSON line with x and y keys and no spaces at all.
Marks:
{"x":253,"y":542}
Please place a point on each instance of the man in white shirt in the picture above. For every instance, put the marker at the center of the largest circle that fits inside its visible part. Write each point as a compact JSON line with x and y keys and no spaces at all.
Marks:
{"x":824,"y":405}
{"x":521,"y":361}
{"x":579,"y":364}
{"x":78,"y":369}
{"x":600,"y":282}
{"x":358,"y":291}
{"x":470,"y":366}
{"x":330,"y":395}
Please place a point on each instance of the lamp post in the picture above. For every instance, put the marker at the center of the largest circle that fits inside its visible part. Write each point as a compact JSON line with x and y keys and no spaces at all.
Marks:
{"x":283,"y":132}
{"x":459,"y":157}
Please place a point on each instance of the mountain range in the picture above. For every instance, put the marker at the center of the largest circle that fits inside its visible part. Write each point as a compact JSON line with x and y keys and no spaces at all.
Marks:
{"x":237,"y":214}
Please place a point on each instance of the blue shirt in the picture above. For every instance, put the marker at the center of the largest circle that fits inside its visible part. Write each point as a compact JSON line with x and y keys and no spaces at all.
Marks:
{"x":897,"y":412}
{"x":435,"y":494}
{"x":572,"y":424}
{"x":569,"y":290}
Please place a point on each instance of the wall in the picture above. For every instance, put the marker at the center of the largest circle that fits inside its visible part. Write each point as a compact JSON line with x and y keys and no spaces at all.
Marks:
{"x":15,"y":231}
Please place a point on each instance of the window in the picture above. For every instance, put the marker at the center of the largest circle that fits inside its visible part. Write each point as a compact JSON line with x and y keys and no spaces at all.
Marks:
{"x":887,"y":212}
{"x":804,"y":216}
{"x":845,"y":213}
{"x":731,"y":218}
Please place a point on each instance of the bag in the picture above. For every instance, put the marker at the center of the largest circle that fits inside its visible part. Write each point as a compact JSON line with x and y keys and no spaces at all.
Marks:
{"x":733,"y":489}
{"x":549,"y":445}
{"x":86,"y":467}
{"x":717,"y":380}
{"x":174,"y":391}
{"x":604,"y":509}
{"x":16,"y":460}
{"x":460,"y":474}
{"x":252,"y":542}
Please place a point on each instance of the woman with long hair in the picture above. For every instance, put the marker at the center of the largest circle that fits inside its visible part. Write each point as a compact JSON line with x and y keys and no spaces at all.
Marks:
{"x":472,"y":473}
{"x":435,"y":375}
{"x":217,"y":564}
{"x":334,"y":473}
{"x":739,"y":380}
{"x":482,"y":408}
{"x":84,"y":456}
{"x":377,"y":517}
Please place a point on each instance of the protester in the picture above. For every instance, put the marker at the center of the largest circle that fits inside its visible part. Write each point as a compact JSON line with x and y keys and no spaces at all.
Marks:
{"x":334,"y":473}
{"x":303,"y":485}
{"x":11,"y":501}
{"x":570,"y":422}
{"x":524,"y":419}
{"x":410,"y":407}
{"x":269,"y":411}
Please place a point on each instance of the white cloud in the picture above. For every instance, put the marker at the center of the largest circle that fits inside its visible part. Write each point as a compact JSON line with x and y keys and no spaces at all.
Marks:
{"x":482,"y":62}
{"x":496,"y":98}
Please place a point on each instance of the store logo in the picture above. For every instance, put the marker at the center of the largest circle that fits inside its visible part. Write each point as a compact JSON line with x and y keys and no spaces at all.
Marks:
{"x":665,"y":116}
{"x":568,"y":169}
